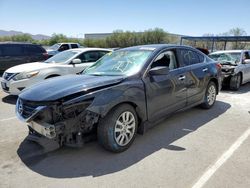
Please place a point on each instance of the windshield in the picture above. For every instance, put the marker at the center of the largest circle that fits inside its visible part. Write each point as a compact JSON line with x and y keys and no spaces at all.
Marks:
{"x":54,"y":47}
{"x":231,"y":57}
{"x":61,"y":57}
{"x":125,"y":62}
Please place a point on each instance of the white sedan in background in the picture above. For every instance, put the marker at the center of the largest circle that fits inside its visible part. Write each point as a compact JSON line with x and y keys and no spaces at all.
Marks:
{"x":73,"y":61}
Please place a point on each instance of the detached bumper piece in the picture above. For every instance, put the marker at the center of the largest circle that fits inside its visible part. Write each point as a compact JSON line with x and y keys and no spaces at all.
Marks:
{"x":45,"y":129}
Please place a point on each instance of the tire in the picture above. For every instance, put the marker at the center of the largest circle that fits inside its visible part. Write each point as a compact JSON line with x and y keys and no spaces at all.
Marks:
{"x":210,"y":96}
{"x":235,"y":82}
{"x":117,"y":130}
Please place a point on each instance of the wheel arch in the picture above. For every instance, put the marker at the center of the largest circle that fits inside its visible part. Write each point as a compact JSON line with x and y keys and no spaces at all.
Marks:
{"x":216,"y":83}
{"x":133,"y":104}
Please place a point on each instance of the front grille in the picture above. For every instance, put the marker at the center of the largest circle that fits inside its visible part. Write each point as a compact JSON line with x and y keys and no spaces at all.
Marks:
{"x":8,"y":76}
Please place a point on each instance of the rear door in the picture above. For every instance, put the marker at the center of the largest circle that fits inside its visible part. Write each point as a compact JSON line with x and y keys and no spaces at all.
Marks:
{"x":165,"y":93}
{"x":197,"y":76}
{"x":34,"y":53}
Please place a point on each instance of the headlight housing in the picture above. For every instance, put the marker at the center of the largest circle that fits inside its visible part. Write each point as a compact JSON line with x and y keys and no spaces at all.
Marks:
{"x":25,"y":75}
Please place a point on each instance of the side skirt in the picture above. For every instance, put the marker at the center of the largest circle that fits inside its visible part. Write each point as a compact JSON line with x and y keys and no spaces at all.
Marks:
{"x":150,"y":124}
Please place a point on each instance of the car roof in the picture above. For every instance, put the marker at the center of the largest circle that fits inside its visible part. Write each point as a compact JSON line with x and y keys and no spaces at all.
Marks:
{"x":19,"y":43}
{"x":227,"y":51}
{"x":155,"y":47}
{"x":67,"y":43}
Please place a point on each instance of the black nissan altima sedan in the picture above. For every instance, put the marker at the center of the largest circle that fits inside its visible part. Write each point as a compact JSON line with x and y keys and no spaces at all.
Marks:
{"x":122,"y":94}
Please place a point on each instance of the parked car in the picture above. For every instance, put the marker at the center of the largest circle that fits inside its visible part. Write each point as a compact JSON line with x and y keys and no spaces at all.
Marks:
{"x":59,"y":47}
{"x":235,"y":67}
{"x":13,"y":53}
{"x":126,"y":91}
{"x":73,"y":61}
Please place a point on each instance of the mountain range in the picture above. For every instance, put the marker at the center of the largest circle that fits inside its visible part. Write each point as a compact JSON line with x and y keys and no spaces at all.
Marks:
{"x":11,"y":33}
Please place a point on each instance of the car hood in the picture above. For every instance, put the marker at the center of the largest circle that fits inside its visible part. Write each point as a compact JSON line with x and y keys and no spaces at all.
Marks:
{"x":27,"y":67}
{"x":59,"y":87}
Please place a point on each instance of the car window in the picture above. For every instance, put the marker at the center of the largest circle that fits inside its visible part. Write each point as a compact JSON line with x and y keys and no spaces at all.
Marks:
{"x":121,"y":62}
{"x":74,"y":46}
{"x":61,"y":57}
{"x":63,"y":47}
{"x":89,"y":57}
{"x":32,"y":49}
{"x":102,"y":53}
{"x":12,"y":50}
{"x":201,"y":57}
{"x":193,"y":57}
{"x":184,"y":57}
{"x":190,"y":57}
{"x":166,"y":59}
{"x":226,"y":57}
{"x":246,"y":55}
{"x":54,"y":47}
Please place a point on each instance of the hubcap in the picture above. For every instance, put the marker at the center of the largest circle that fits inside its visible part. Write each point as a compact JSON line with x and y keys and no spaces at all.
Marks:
{"x":124,"y":128}
{"x":211,"y":94}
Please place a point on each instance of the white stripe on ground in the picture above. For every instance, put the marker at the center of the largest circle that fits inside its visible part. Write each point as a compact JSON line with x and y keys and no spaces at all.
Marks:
{"x":226,"y":155}
{"x":7,"y":119}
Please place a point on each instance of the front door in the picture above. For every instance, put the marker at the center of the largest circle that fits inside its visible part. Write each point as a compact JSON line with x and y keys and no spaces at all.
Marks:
{"x":165,"y":93}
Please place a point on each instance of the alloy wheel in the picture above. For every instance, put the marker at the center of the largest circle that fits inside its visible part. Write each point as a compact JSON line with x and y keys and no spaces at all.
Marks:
{"x":211,"y":94}
{"x":125,"y":128}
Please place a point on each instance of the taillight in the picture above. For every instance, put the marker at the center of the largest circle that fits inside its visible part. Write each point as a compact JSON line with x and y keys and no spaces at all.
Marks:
{"x":218,"y":66}
{"x":46,"y":55}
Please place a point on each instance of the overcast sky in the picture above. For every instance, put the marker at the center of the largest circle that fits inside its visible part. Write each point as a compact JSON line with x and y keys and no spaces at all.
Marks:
{"x":76,"y":17}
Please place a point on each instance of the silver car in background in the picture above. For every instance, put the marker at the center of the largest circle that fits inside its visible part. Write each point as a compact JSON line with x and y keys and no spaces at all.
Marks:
{"x":235,"y":67}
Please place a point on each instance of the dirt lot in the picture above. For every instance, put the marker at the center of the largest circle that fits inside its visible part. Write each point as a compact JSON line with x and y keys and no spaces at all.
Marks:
{"x":200,"y":148}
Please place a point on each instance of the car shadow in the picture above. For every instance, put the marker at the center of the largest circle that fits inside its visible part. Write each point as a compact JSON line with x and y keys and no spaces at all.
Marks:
{"x":10,"y":99}
{"x":92,"y":160}
{"x":243,"y":89}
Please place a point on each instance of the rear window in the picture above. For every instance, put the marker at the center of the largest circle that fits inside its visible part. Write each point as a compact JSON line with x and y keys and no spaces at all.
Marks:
{"x":190,"y":57}
{"x":33,"y":49}
{"x":74,"y":46}
{"x":201,"y":57}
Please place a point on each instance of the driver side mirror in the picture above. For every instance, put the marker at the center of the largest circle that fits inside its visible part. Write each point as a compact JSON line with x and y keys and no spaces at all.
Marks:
{"x":76,"y":61}
{"x":160,"y":70}
{"x":246,"y":61}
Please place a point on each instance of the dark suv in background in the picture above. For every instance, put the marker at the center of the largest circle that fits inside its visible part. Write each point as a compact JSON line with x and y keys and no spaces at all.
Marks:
{"x":12,"y":54}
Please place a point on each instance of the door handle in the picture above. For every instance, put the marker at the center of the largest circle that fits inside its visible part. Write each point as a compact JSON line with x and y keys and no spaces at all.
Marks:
{"x":204,"y":70}
{"x":182,"y":77}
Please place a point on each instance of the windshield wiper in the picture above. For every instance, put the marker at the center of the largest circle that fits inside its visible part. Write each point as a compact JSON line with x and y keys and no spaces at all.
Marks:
{"x":95,"y":74}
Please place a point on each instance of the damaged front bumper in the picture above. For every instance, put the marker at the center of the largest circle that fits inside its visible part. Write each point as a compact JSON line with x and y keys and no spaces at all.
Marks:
{"x":66,"y":125}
